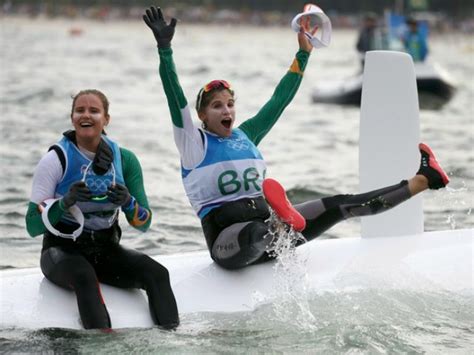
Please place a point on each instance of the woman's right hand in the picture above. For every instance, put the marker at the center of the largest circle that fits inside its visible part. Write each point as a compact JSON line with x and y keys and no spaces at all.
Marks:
{"x":77,"y":192}
{"x":161,"y":30}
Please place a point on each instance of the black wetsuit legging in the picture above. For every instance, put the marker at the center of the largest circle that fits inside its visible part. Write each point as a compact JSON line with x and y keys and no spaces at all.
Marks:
{"x":235,"y":231}
{"x":81,"y":265}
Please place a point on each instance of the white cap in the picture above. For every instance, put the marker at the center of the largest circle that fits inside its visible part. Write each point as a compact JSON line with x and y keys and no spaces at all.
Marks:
{"x":322,"y":38}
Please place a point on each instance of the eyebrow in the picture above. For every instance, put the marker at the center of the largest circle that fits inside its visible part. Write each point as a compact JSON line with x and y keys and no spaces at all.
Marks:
{"x":218,"y":100}
{"x":92,"y":107}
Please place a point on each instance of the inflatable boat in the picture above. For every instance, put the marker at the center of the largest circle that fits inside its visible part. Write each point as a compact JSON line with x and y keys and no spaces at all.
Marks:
{"x":435,"y":88}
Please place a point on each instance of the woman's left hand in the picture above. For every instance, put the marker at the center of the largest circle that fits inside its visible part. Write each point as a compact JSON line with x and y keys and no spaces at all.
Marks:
{"x":119,"y":195}
{"x":303,"y":40}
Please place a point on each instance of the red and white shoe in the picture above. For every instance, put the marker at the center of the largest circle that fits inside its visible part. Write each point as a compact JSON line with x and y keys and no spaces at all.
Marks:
{"x":276,"y":197}
{"x":430,"y":168}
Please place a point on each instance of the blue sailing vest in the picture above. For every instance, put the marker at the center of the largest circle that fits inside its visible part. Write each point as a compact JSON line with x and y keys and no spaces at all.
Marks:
{"x":98,"y":214}
{"x":232,"y":168}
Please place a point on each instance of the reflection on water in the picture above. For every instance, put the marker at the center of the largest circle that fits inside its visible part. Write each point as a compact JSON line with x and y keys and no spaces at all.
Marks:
{"x":312,"y":151}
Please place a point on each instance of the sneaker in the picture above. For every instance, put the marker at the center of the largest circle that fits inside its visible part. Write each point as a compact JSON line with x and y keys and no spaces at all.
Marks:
{"x":431,"y":169}
{"x":276,"y":197}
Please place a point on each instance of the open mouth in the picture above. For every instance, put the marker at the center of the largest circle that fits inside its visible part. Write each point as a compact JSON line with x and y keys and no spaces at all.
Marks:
{"x":86,"y":124}
{"x":227,"y":123}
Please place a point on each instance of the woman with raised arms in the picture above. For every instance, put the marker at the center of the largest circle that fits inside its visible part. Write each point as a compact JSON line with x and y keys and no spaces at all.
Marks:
{"x":223,"y":170}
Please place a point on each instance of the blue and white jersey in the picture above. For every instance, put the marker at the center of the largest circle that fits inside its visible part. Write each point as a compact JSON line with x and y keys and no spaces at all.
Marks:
{"x":98,"y":214}
{"x":232,"y":168}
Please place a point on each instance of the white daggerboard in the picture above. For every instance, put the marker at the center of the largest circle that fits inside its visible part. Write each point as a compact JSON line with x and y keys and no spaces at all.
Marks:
{"x":389,"y":137}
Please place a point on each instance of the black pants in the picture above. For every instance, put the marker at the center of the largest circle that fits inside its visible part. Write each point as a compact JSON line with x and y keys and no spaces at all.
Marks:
{"x":237,"y":234}
{"x":81,"y":265}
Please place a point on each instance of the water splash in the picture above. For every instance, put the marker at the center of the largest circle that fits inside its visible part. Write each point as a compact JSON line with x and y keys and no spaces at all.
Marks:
{"x":451,"y":221}
{"x":291,"y":305}
{"x":454,"y":199}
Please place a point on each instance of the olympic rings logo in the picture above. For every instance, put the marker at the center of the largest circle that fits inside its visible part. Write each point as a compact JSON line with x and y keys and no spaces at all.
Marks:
{"x":238,"y":144}
{"x":98,"y":185}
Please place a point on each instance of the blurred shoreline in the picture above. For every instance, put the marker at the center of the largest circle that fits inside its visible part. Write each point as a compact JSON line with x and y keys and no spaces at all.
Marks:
{"x":439,"y":22}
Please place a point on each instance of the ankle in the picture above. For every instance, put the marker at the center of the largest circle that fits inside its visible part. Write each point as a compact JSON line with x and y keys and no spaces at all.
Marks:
{"x":417,"y":184}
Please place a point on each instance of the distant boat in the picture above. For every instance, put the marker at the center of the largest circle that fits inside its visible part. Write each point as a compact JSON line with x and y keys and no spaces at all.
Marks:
{"x":435,"y":88}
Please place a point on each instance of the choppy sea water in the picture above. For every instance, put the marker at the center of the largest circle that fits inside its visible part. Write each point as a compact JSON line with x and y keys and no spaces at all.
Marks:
{"x":312,"y":151}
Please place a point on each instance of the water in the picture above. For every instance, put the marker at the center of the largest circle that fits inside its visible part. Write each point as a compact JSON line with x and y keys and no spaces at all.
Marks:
{"x":355,"y":322}
{"x":312,"y":151}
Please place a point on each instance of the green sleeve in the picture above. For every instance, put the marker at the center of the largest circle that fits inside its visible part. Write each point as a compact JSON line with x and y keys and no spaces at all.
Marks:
{"x":133,"y":176}
{"x":258,"y":126}
{"x":174,"y":92}
{"x":34,"y":223}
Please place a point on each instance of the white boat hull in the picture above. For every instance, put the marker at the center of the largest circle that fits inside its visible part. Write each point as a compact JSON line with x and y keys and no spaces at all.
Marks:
{"x":440,"y":261}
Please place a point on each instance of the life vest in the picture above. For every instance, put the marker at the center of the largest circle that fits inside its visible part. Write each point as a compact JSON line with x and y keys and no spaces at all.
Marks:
{"x":232,"y":168}
{"x":416,"y":47}
{"x":98,"y":213}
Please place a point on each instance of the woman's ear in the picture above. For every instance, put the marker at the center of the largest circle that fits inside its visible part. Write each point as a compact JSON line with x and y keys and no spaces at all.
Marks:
{"x":107,"y":120}
{"x":202,"y":116}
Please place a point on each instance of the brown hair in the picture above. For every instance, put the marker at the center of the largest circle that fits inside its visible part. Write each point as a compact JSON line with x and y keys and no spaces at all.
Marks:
{"x":208,"y":91}
{"x":208,"y":96}
{"x":99,"y":94}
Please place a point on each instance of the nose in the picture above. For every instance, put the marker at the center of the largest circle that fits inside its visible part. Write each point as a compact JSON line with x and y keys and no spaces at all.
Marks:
{"x":86,"y":113}
{"x":226,"y":109}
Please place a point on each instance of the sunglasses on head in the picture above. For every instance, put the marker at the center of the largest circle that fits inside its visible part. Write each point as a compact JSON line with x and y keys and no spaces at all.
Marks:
{"x":215,"y":84}
{"x":212,"y":85}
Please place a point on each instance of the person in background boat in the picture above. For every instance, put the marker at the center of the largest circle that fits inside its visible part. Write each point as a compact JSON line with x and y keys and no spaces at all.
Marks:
{"x":370,"y":36}
{"x":79,"y":188}
{"x":414,"y":41}
{"x":223,"y":170}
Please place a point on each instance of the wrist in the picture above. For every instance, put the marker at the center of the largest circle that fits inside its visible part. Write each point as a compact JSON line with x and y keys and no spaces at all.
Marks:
{"x":304,"y":51}
{"x":130,"y":205}
{"x":63,"y":205}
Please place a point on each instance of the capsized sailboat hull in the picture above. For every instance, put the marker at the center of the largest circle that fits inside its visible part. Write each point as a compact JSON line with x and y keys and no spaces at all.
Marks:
{"x":440,"y":261}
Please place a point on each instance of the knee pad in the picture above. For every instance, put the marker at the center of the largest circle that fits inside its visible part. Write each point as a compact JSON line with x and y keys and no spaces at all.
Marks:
{"x":241,"y":247}
{"x":254,"y":234}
